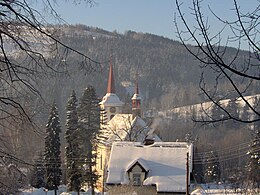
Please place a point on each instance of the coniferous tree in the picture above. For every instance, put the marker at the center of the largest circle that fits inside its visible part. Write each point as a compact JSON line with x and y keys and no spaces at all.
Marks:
{"x":89,"y":125}
{"x":212,"y":167}
{"x":52,"y":151}
{"x":37,"y":176}
{"x":245,"y":116}
{"x":253,"y":166}
{"x":74,"y":172}
{"x":233,"y":110}
{"x":217,"y":114}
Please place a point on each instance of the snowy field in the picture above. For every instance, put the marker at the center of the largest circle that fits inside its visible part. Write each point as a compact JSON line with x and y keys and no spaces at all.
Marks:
{"x":201,"y":190}
{"x":62,"y":191}
{"x":206,"y":189}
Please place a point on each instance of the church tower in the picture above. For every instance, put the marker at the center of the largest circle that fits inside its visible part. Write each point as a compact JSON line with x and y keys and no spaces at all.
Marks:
{"x":110,"y":103}
{"x":136,"y":101}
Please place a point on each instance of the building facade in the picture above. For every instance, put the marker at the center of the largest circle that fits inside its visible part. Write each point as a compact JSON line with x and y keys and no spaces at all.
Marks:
{"x":161,"y":167}
{"x":117,"y":126}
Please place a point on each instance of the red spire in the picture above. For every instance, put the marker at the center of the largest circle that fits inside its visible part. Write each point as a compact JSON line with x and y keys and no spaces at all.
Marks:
{"x":111,"y":82}
{"x":136,"y":86}
{"x":136,"y":100}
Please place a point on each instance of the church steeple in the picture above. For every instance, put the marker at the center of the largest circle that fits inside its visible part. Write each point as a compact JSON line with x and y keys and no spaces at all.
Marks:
{"x":111,"y":81}
{"x":110,"y":103}
{"x":136,"y":86}
{"x":136,"y":101}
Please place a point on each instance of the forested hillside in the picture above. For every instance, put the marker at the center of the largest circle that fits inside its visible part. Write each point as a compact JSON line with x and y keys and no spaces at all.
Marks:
{"x":168,"y":76}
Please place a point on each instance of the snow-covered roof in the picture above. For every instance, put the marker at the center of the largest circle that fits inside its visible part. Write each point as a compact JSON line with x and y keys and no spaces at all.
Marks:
{"x":141,"y":162}
{"x":136,"y":97}
{"x":121,"y":124}
{"x":111,"y":99}
{"x":166,"y":162}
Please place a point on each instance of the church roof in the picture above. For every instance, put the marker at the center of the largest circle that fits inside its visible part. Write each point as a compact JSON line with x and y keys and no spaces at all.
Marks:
{"x":139,"y":161}
{"x":111,"y":99}
{"x":126,"y":127}
{"x":136,"y":95}
{"x":165,"y":162}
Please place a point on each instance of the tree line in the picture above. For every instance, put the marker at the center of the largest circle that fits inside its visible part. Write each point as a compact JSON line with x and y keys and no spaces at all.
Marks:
{"x":82,"y":127}
{"x":226,"y":151}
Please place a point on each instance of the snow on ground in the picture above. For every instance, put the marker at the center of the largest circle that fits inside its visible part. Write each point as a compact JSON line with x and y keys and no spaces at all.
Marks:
{"x":62,"y":191}
{"x":41,"y":191}
{"x":204,"y":189}
{"x":198,"y":191}
{"x":215,"y":189}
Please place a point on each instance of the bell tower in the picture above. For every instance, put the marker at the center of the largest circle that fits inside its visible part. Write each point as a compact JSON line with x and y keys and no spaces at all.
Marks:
{"x":110,"y":103}
{"x":136,"y":101}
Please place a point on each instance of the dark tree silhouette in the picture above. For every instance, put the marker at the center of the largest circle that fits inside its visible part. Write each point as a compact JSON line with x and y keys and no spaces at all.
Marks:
{"x":37,"y":175}
{"x":232,"y":108}
{"x":74,"y":171}
{"x":253,"y":166}
{"x":52,"y":151}
{"x":212,"y":166}
{"x":89,"y":125}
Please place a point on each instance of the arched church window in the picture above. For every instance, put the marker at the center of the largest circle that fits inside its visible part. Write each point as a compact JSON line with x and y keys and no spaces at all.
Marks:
{"x":111,"y":116}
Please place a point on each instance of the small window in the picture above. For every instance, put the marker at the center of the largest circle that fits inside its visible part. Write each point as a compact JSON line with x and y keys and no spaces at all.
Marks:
{"x":136,"y":179}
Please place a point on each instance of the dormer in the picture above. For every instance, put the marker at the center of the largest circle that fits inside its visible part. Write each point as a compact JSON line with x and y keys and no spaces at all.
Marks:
{"x":137,"y":172}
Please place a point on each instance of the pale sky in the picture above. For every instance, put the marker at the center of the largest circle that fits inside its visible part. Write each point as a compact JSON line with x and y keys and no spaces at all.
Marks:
{"x":147,"y":16}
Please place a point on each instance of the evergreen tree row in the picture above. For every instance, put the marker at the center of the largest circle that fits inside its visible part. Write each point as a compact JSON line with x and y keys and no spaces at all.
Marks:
{"x":82,"y":126}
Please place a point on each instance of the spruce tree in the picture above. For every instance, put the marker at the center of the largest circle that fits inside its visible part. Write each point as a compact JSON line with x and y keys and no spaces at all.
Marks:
{"x":253,"y":166}
{"x":245,"y":116}
{"x":89,"y":125}
{"x":52,"y":151}
{"x":212,"y":167}
{"x":74,"y":172}
{"x":217,"y":114}
{"x":37,"y":175}
{"x":233,"y":109}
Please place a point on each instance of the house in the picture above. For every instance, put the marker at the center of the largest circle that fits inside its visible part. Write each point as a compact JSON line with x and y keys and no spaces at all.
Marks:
{"x":117,"y":126}
{"x":158,"y":168}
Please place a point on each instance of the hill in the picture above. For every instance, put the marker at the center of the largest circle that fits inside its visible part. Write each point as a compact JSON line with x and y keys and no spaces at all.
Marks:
{"x":168,"y":75}
{"x":168,"y":80}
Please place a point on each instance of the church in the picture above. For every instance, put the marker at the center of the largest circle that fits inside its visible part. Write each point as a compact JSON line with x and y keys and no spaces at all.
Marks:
{"x":130,"y":156}
{"x":117,"y":127}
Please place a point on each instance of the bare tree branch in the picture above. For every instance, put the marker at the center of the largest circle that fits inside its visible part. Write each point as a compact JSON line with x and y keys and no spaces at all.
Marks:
{"x":216,"y":57}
